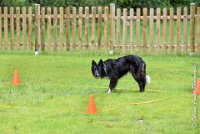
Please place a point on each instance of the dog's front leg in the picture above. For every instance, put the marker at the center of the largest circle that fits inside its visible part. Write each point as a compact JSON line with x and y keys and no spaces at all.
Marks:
{"x":113,"y":83}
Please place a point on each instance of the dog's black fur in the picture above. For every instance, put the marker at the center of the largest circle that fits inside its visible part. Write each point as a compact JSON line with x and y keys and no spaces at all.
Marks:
{"x":114,"y":69}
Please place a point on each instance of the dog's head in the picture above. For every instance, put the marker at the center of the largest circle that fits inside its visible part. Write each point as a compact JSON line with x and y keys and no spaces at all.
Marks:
{"x":98,"y":70}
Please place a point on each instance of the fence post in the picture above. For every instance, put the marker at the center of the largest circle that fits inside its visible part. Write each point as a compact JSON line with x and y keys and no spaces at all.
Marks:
{"x":61,"y":28}
{"x":93,"y":27}
{"x":171,"y":30}
{"x":49,"y":28}
{"x":43,"y":29}
{"x":158,"y":30}
{"x":55,"y":21}
{"x":124,"y":29}
{"x":86,"y":27}
{"x":106,"y":28}
{"x":144,"y":30}
{"x":37,"y":27}
{"x":68,"y":28}
{"x":99,"y":26}
{"x":151,"y":30}
{"x":80,"y":23}
{"x":5,"y":28}
{"x":198,"y":34}
{"x":112,"y":26}
{"x":18,"y":27}
{"x":30,"y":28}
{"x":165,"y":30}
{"x":118,"y":29}
{"x":178,"y":45}
{"x":131,"y":29}
{"x":185,"y":30}
{"x":24,"y":27}
{"x":74,"y":28}
{"x":192,"y":28}
{"x":11,"y":28}
{"x":138,"y":30}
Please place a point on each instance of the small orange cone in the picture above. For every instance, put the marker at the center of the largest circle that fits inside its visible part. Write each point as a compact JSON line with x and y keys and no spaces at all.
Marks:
{"x":91,"y":106}
{"x":197,"y":91}
{"x":16,"y":80}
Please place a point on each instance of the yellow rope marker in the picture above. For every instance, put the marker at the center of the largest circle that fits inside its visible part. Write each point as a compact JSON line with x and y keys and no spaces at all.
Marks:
{"x":137,"y":103}
{"x":7,"y":106}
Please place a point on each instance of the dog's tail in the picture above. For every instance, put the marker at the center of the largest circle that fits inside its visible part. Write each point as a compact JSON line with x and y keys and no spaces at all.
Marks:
{"x":148,"y":79}
{"x":143,"y":69}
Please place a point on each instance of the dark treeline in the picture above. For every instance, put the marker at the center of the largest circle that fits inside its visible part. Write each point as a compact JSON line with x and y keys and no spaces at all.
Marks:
{"x":119,"y":3}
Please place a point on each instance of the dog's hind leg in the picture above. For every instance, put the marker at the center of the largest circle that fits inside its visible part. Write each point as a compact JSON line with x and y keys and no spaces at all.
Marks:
{"x":113,"y":83}
{"x":140,"y":76}
{"x":141,"y":85}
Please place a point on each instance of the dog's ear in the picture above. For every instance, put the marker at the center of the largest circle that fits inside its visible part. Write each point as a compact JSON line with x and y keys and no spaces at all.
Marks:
{"x":101,"y":62}
{"x":93,"y":63}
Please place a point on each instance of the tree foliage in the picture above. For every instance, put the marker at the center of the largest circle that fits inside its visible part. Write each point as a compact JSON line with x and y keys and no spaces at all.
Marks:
{"x":89,"y":3}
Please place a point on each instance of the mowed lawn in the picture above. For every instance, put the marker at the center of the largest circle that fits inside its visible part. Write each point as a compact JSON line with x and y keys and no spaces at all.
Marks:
{"x":55,"y":90}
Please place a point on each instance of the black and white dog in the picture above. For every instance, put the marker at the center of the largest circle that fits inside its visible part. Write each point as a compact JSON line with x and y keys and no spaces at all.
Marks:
{"x":114,"y":69}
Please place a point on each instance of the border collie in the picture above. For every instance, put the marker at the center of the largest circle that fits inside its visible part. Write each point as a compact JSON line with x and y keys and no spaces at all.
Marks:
{"x":114,"y":69}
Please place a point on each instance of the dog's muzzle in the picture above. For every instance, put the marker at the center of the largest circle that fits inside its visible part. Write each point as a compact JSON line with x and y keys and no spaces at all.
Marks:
{"x":96,"y":73}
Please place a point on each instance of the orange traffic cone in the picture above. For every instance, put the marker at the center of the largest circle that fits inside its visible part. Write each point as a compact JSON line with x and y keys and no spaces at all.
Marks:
{"x":16,"y":80}
{"x":197,"y":91}
{"x":91,"y":106}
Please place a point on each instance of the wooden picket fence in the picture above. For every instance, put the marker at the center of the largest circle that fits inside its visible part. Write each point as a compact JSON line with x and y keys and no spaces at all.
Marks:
{"x":104,"y":29}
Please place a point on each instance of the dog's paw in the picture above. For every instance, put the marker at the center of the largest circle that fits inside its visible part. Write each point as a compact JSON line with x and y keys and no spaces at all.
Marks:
{"x":109,"y":91}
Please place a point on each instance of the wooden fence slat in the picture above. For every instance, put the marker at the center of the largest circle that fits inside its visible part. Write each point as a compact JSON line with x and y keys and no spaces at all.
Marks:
{"x":24,"y":27}
{"x":185,"y":30}
{"x":37,"y":27}
{"x":106,"y":28}
{"x":171,"y":30}
{"x":30,"y":28}
{"x":165,"y":30}
{"x":151,"y":21}
{"x":86,"y":27}
{"x":18,"y":27}
{"x":118,"y":29}
{"x":124,"y":29}
{"x":80,"y":23}
{"x":0,"y":28}
{"x":55,"y":14}
{"x":49,"y":28}
{"x":192,"y":27}
{"x":112,"y":26}
{"x":144,"y":30}
{"x":43,"y":29}
{"x":131,"y":30}
{"x":11,"y":28}
{"x":198,"y":31}
{"x":93,"y":27}
{"x":74,"y":28}
{"x":61,"y":29}
{"x":178,"y":45}
{"x":5,"y":28}
{"x":68,"y":28}
{"x":99,"y":27}
{"x":158,"y":30}
{"x":138,"y":29}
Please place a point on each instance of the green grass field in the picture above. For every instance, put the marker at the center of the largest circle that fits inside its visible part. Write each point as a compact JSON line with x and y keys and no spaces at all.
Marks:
{"x":55,"y":90}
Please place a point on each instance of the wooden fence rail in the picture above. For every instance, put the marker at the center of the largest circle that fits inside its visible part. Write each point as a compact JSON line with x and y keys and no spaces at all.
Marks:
{"x":101,"y":28}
